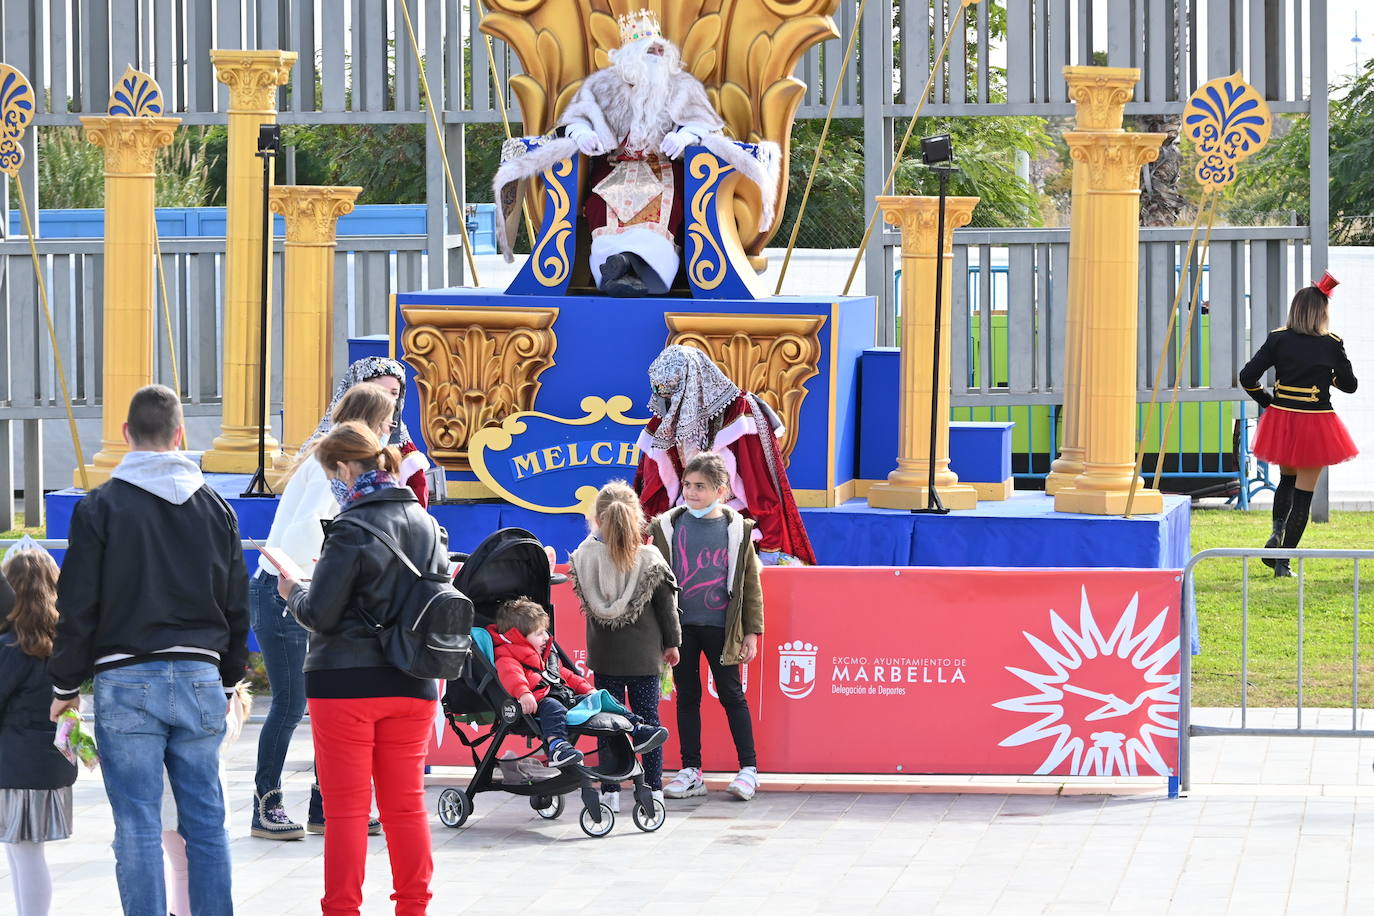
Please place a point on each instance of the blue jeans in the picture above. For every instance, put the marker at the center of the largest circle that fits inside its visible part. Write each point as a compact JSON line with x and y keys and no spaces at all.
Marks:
{"x":282,"y":641}
{"x":149,"y":717}
{"x":553,"y":719}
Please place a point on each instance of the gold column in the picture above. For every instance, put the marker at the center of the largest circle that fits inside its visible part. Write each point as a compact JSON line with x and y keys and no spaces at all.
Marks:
{"x":253,"y":78}
{"x":312,"y":214}
{"x":130,"y":145}
{"x":1101,"y":94}
{"x":1109,"y":283}
{"x":906,"y":486}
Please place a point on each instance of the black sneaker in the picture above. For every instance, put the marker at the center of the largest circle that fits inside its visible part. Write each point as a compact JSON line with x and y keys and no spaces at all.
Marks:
{"x":563,"y":754}
{"x":314,"y":820}
{"x":646,"y":738}
{"x":270,"y":821}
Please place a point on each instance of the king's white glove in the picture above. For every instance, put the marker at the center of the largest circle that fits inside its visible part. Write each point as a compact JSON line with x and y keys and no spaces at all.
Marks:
{"x":677,"y":141}
{"x":586,"y":139}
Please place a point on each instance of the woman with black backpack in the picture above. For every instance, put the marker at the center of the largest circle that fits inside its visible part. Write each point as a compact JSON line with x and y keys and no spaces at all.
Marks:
{"x":370,"y":720}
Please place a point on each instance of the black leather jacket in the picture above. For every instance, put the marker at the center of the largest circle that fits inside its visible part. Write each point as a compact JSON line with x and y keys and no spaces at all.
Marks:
{"x":357,"y":570}
{"x":1305,"y":367}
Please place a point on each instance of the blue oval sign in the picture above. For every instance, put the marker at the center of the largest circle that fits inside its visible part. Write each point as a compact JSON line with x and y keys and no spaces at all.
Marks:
{"x":553,"y":464}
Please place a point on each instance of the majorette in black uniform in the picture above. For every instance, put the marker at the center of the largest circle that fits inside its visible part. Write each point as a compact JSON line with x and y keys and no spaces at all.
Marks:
{"x":1298,"y":427}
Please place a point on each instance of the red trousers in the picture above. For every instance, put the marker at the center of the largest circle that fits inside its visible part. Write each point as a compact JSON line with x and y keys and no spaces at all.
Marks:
{"x":362,"y":744}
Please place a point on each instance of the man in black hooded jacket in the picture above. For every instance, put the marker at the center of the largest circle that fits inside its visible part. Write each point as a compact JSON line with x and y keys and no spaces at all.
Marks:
{"x":153,"y":601}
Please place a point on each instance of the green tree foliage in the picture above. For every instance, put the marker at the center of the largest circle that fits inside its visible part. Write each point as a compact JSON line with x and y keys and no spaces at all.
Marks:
{"x":1276,"y":180}
{"x":986,"y":150}
{"x":71,"y":170}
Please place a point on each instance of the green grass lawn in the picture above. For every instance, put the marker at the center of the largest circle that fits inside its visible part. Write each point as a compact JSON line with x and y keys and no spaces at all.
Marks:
{"x":1272,"y":633}
{"x":19,"y":530}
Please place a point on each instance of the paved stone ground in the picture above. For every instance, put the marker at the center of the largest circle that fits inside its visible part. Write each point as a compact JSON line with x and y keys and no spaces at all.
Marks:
{"x":1271,"y":826}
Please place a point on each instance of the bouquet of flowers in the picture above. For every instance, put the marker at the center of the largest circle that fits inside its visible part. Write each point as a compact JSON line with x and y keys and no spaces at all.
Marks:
{"x":75,"y":743}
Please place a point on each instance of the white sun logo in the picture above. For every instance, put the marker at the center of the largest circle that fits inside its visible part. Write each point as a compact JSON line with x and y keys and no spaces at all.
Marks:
{"x":1090,"y":674}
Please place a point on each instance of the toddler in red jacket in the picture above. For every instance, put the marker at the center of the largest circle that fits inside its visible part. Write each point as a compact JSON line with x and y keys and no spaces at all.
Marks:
{"x":522,"y":647}
{"x":521,"y":643}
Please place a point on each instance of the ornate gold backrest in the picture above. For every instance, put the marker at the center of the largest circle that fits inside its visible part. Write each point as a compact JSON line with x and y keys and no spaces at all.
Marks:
{"x":744,"y":51}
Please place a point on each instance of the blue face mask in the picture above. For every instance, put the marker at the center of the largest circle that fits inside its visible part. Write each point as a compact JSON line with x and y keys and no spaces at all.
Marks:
{"x":704,"y":511}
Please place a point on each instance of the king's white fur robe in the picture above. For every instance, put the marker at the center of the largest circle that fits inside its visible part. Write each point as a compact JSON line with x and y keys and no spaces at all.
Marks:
{"x":603,"y":103}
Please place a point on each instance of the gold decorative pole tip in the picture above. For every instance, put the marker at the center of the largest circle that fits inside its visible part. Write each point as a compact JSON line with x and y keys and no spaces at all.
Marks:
{"x":17,"y":109}
{"x":1229,"y":121}
{"x":136,"y":95}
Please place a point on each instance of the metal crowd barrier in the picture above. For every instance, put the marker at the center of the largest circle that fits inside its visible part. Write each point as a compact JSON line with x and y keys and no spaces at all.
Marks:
{"x":1187,"y":730}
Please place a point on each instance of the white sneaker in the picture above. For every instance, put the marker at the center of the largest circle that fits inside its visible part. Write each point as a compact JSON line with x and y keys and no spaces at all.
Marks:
{"x":745,"y":784}
{"x":611,"y":800}
{"x":685,"y":784}
{"x":658,"y":795}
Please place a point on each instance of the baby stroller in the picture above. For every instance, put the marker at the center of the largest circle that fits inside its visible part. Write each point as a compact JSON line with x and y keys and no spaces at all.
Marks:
{"x":508,"y":564}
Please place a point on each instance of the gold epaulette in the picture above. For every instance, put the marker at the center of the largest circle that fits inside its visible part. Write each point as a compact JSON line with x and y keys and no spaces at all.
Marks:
{"x":1334,"y":337}
{"x":1284,"y":328}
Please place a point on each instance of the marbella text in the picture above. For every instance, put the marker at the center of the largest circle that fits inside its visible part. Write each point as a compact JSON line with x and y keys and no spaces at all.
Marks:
{"x":890,"y":676}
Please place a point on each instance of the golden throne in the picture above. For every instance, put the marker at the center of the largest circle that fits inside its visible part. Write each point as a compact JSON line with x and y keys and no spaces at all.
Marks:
{"x":743,"y":51}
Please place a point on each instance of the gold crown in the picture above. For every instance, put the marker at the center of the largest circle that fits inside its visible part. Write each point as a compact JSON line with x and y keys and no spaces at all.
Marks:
{"x":637,"y":25}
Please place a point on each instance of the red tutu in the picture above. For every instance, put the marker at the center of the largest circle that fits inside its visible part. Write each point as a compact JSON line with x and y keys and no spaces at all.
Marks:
{"x":1302,"y":439}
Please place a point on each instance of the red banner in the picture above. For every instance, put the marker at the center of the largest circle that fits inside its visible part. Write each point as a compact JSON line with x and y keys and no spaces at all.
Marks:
{"x":962,"y":671}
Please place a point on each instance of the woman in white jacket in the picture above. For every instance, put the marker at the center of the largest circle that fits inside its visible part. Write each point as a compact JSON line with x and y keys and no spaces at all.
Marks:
{"x":296,"y":531}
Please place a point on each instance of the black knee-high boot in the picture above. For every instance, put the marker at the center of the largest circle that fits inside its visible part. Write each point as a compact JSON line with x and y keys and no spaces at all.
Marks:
{"x":1283,"y":502}
{"x":1297,"y":523}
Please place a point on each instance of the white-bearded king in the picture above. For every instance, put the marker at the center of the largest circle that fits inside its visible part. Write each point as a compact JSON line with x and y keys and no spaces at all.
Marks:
{"x":632,"y":120}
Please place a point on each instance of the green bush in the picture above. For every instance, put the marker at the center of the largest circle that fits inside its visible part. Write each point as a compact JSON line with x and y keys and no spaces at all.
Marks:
{"x":71,"y":170}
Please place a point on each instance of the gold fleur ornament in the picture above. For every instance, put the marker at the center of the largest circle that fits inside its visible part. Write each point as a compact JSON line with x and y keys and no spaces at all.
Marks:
{"x":17,"y":110}
{"x":136,"y":95}
{"x":1229,"y":121}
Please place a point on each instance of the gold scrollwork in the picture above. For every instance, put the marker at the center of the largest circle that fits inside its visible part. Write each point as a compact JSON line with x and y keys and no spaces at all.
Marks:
{"x":474,"y":367}
{"x":705,"y":272}
{"x":771,"y":355}
{"x":552,"y":268}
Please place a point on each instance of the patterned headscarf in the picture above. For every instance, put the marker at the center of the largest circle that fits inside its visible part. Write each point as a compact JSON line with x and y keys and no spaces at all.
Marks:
{"x":366,"y":369}
{"x":689,"y":391}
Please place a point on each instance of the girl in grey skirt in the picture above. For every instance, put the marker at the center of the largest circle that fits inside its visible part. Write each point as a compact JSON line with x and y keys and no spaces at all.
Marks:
{"x":35,"y":779}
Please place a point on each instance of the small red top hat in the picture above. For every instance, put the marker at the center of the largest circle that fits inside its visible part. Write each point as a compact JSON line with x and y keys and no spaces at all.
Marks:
{"x":1327,"y":283}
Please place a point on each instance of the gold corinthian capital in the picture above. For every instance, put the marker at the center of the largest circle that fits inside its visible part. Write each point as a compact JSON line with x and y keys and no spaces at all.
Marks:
{"x":1100,"y":95}
{"x":473,"y":367}
{"x":130,"y":144}
{"x":253,"y":77}
{"x":919,"y":220}
{"x":1113,"y":160}
{"x":770,"y":355}
{"x":312,"y":212}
